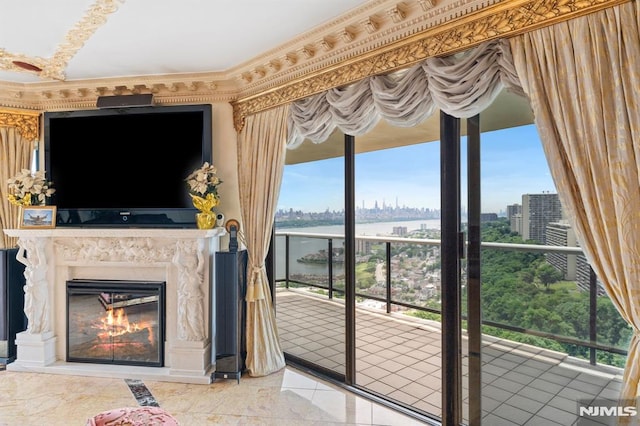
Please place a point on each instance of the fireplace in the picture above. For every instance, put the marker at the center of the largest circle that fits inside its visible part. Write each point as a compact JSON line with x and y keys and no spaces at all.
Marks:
{"x":180,"y":258}
{"x":116,"y":322}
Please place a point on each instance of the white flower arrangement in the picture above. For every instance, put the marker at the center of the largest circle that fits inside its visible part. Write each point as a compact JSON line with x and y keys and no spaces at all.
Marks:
{"x":203,"y":187}
{"x":27,"y":188}
{"x":204,"y":180}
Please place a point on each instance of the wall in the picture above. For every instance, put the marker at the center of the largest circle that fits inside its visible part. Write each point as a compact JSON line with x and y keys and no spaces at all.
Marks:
{"x":225,"y":158}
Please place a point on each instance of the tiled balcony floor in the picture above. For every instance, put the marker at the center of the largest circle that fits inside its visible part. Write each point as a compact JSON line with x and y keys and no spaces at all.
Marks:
{"x":401,"y":358}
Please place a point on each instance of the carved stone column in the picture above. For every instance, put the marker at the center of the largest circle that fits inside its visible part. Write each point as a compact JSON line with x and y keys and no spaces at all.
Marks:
{"x":36,"y":345}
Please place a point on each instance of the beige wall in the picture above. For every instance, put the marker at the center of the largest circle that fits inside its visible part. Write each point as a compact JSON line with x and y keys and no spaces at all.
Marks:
{"x":225,"y":155}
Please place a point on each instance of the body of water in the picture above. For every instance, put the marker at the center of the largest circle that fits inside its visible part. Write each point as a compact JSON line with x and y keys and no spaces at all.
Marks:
{"x":301,"y":246}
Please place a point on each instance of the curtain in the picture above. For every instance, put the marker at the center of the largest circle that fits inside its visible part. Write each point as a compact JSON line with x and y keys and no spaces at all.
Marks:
{"x":15,"y":155}
{"x":461,"y":85}
{"x":583,"y":81}
{"x":261,"y":153}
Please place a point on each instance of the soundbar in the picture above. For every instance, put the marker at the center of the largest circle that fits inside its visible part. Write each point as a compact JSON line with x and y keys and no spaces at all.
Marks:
{"x":120,"y":101}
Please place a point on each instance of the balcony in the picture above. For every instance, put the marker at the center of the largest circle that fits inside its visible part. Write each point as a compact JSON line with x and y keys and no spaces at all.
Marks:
{"x":398,"y":356}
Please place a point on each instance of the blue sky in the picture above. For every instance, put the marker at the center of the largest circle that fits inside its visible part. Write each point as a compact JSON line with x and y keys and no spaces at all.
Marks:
{"x":513,"y":164}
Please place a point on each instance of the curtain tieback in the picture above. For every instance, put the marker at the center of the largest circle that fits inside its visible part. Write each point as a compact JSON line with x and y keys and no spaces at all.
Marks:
{"x":257,"y":269}
{"x":254,"y":290}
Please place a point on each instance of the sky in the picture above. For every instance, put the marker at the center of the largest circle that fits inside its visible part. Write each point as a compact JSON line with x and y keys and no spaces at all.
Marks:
{"x":512,"y":164}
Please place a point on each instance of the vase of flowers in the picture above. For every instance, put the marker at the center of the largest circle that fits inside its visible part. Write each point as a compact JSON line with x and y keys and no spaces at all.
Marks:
{"x":203,"y":189}
{"x":29,"y":188}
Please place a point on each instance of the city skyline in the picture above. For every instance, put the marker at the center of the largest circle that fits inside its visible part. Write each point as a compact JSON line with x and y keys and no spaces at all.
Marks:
{"x":512,"y":164}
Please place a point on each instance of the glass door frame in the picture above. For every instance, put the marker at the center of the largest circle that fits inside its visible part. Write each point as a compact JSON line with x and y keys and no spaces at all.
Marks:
{"x":454,"y":248}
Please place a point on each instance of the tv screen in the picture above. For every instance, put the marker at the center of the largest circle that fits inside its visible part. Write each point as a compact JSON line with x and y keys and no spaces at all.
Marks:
{"x":126,"y":166}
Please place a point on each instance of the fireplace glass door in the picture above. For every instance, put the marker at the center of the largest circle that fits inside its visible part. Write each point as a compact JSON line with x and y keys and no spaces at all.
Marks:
{"x":115,"y":322}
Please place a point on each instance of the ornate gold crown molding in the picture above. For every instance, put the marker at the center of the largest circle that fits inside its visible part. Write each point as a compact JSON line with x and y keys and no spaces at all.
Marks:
{"x":373,"y":26}
{"x":501,"y":20}
{"x":183,"y":89}
{"x":27,"y":122}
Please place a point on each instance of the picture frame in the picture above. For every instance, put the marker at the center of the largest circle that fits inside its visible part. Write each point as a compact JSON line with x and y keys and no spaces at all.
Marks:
{"x":37,"y":217}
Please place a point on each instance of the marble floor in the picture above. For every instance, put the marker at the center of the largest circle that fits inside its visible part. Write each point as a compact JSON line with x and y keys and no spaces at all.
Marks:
{"x":289,"y":397}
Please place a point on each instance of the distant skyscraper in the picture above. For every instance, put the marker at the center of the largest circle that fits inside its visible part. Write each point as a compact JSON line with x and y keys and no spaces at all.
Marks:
{"x":538,"y":210}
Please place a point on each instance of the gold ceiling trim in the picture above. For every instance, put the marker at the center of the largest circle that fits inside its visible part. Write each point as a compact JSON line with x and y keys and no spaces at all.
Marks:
{"x":502,"y":20}
{"x":25,"y":121}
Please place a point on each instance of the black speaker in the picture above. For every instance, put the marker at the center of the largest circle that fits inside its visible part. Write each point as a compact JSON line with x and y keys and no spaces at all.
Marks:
{"x":12,"y":317}
{"x":230,"y":314}
{"x":120,"y":101}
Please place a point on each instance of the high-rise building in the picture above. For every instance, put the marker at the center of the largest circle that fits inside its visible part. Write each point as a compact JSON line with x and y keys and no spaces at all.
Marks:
{"x":363,"y":246}
{"x":399,"y":230}
{"x":575,"y":267}
{"x":488,"y":217}
{"x":538,"y":210}
{"x":512,"y":210}
{"x":515,"y":223}
{"x":561,"y":234}
{"x":583,"y":275}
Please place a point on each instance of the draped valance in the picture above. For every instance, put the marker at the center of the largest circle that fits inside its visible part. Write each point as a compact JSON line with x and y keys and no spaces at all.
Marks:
{"x":461,"y":85}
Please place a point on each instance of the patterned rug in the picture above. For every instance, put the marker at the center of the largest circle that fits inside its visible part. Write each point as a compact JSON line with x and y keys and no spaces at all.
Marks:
{"x":141,"y":393}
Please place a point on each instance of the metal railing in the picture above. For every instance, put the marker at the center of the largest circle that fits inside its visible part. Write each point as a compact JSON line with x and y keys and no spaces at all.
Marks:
{"x":389,"y":302}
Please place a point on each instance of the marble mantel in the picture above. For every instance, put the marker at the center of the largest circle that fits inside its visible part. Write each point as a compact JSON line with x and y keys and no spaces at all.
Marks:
{"x":182,"y":258}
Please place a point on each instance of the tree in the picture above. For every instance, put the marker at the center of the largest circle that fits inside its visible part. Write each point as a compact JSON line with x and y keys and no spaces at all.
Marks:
{"x":548,"y":274}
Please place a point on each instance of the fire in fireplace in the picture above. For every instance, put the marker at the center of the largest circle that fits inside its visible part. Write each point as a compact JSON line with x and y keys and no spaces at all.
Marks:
{"x":115,"y":322}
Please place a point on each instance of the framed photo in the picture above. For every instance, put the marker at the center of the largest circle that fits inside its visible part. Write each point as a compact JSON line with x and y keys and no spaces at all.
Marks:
{"x":37,"y":217}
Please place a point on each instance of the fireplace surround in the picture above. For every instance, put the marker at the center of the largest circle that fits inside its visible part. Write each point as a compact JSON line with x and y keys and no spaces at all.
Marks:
{"x":181,"y":258}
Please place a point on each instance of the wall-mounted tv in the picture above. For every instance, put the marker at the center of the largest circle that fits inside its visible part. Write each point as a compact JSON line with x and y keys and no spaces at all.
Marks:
{"x":126,"y":166}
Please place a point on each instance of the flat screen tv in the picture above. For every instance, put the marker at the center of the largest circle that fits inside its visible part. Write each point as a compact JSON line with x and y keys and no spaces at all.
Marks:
{"x":126,"y":166}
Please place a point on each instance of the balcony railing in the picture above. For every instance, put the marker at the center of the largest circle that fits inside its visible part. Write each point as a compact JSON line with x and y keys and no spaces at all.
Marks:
{"x":283,"y":259}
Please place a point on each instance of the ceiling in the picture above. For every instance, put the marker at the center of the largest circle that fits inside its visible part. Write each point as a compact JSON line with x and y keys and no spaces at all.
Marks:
{"x":62,"y":43}
{"x":93,"y":39}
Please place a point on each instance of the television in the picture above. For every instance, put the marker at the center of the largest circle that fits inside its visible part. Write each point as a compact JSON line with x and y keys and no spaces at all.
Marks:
{"x":126,"y":167}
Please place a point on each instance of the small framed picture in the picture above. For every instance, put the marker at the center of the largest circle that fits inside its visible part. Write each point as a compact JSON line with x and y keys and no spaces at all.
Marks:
{"x":38,"y":217}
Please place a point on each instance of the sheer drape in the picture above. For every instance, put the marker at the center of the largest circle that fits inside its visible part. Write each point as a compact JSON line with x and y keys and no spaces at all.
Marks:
{"x":461,"y":85}
{"x":261,"y":153}
{"x":583,"y":81}
{"x":15,"y":155}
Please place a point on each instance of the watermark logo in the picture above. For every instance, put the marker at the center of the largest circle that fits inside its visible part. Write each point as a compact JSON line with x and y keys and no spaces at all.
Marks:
{"x":607,"y":412}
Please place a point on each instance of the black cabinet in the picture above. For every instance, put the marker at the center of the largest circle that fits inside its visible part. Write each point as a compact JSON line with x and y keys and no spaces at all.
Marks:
{"x":12,"y":317}
{"x":230,"y":314}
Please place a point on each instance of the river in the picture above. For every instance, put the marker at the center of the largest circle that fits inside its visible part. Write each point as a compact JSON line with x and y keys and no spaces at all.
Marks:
{"x":300,"y":246}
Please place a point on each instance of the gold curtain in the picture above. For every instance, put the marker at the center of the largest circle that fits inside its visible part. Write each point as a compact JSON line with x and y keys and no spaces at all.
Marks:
{"x":15,"y":155}
{"x":583,"y":81}
{"x":261,"y":153}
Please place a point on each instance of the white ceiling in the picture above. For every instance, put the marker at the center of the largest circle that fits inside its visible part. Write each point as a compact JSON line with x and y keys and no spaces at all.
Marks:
{"x":149,"y":37}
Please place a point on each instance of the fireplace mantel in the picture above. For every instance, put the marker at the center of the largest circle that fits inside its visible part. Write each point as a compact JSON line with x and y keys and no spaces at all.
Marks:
{"x":183,"y":258}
